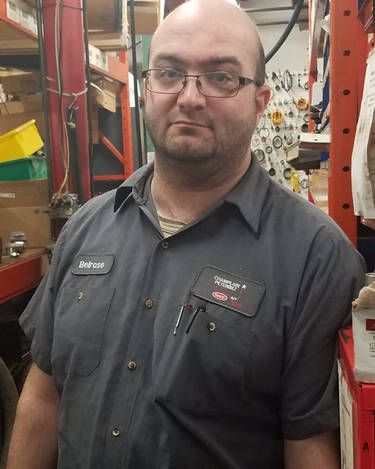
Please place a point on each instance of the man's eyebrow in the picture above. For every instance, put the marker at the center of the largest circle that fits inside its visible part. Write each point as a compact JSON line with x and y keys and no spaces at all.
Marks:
{"x":222,"y":60}
{"x":167,"y":58}
{"x":214,"y":60}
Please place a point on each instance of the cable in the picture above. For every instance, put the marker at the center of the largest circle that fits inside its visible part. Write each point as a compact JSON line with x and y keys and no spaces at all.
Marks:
{"x":138,"y":158}
{"x":88,"y":83}
{"x":290,"y":26}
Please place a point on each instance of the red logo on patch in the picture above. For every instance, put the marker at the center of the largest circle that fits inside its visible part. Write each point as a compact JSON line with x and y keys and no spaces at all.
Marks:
{"x":219,"y":296}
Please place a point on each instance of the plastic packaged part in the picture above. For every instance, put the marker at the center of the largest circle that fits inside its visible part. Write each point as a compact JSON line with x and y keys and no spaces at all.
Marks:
{"x":364,"y":334}
{"x":259,"y":155}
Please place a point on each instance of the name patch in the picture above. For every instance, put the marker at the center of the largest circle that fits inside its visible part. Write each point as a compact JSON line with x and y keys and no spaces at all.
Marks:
{"x":237,"y":293}
{"x":93,"y":264}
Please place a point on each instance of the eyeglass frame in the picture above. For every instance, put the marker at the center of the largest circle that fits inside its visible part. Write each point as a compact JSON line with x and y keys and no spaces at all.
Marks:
{"x":243,"y":81}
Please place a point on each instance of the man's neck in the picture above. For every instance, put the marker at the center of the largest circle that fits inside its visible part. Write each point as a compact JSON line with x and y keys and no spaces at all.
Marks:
{"x":178,"y":195}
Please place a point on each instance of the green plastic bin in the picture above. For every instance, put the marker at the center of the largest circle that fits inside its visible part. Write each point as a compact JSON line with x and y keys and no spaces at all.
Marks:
{"x":32,"y":167}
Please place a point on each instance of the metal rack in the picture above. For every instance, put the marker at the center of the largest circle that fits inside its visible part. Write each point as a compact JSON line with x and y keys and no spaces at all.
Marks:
{"x":25,"y":273}
{"x":346,"y":58}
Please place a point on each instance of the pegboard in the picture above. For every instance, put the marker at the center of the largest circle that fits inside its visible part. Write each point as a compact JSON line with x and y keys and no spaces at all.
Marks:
{"x":285,"y":117}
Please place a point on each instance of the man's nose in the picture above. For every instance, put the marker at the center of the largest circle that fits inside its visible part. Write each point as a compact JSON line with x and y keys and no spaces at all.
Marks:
{"x":190,"y":96}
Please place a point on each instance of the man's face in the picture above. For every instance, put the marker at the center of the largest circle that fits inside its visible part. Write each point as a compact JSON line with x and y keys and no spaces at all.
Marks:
{"x":188,"y":126}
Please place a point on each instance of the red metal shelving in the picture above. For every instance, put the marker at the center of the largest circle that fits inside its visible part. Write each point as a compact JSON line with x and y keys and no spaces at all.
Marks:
{"x":348,"y":52}
{"x":21,"y":275}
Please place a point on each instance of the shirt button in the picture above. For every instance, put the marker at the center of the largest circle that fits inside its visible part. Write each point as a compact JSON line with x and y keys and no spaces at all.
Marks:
{"x":132,"y":365}
{"x":149,"y":303}
{"x":80,"y":296}
{"x":211,"y":326}
{"x":115,"y":431}
{"x":165,"y":245}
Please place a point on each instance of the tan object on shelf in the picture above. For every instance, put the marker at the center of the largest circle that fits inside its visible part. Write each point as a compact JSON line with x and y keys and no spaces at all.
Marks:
{"x":23,"y":193}
{"x":32,"y":102}
{"x":319,"y":188}
{"x":102,"y":16}
{"x":11,"y":107}
{"x":148,"y":14}
{"x":107,"y":96}
{"x":108,"y":41}
{"x":23,"y":207}
{"x":21,"y":83}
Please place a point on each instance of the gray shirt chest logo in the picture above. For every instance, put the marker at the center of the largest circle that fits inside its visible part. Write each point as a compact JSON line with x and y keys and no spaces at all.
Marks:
{"x":93,"y":264}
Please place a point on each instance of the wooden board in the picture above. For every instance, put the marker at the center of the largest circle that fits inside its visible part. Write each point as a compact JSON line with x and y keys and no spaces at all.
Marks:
{"x":15,"y":40}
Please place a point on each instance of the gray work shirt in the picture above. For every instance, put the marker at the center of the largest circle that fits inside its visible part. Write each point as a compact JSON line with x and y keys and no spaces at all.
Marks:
{"x":203,"y":350}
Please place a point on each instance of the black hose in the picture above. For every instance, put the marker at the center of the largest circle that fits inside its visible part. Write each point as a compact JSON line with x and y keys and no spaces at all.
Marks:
{"x":290,"y":26}
{"x":47,"y":137}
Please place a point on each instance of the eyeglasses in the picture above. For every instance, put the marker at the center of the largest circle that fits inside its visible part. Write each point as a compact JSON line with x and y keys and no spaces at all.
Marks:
{"x":215,"y":84}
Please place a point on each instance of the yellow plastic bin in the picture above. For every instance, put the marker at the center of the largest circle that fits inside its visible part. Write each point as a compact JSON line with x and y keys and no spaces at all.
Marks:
{"x":20,"y":142}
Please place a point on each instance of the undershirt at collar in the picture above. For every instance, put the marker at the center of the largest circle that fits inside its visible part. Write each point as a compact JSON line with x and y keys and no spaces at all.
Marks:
{"x":168,"y":226}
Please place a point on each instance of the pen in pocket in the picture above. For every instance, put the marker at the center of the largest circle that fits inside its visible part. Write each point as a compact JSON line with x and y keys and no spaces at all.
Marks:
{"x":199,"y":309}
{"x":181,"y":312}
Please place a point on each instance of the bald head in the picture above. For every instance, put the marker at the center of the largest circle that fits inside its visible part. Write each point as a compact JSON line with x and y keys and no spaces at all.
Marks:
{"x":211,"y":16}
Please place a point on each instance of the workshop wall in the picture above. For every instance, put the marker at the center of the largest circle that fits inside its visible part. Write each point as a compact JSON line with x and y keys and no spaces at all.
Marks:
{"x":293,"y":54}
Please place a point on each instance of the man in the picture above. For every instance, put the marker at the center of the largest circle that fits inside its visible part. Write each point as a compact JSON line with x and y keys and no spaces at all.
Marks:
{"x":189,"y":318}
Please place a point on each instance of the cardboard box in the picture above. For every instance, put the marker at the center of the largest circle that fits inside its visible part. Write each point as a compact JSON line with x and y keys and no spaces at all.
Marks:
{"x":107,"y":96}
{"x":98,"y":58}
{"x":33,"y":221}
{"x":12,"y":10}
{"x":106,"y":100}
{"x":24,"y":207}
{"x":11,"y":121}
{"x":32,"y":102}
{"x":148,"y":14}
{"x":11,"y":107}
{"x":25,"y":15}
{"x":103,"y":16}
{"x":23,"y":193}
{"x":21,"y":83}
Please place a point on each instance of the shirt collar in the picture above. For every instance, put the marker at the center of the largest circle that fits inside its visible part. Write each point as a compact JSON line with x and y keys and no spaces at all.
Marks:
{"x":249,"y":194}
{"x":134,"y":185}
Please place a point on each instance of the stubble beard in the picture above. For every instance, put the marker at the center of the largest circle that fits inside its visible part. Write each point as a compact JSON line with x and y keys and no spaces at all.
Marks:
{"x":220,"y":151}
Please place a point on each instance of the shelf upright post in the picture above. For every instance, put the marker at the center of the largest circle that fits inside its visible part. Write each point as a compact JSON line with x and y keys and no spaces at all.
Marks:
{"x":2,"y":9}
{"x":127,"y":144}
{"x":347,"y":56}
{"x":70,"y":63}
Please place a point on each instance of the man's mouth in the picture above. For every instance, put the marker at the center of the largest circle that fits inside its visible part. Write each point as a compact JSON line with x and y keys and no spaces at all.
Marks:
{"x":183,"y":123}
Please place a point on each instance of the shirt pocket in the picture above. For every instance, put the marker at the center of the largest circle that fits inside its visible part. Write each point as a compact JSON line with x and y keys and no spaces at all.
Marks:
{"x":79,"y":324}
{"x":202,"y":367}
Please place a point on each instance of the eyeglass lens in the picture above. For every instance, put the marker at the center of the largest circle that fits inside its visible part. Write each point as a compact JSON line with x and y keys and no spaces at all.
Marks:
{"x":220,"y":84}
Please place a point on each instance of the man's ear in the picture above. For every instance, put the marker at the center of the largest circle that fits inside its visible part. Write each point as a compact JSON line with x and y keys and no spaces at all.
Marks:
{"x":262,"y":97}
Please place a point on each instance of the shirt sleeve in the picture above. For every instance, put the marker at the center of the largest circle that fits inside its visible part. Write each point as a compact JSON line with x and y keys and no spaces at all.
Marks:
{"x":37,"y":319}
{"x":333,"y":275}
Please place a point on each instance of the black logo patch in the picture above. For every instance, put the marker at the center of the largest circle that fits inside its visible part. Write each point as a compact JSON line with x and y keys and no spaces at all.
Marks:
{"x":93,"y":264}
{"x":231,"y":291}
